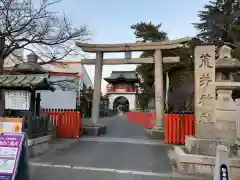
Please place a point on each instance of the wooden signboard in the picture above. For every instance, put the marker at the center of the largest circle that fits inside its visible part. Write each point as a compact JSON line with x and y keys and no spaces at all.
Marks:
{"x":17,"y":100}
{"x":11,"y":125}
{"x":13,"y":157}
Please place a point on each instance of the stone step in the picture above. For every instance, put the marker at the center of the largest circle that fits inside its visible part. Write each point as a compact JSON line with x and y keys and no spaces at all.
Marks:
{"x":201,"y":164}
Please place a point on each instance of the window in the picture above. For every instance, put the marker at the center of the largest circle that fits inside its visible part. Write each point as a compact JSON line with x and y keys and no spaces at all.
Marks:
{"x":225,"y":76}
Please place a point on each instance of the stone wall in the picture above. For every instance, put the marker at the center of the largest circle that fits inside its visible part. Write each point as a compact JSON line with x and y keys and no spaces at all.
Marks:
{"x":202,"y":164}
{"x":39,"y":145}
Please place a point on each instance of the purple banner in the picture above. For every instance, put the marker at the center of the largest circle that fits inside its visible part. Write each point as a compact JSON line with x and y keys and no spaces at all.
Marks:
{"x":10,"y":146}
{"x":10,"y":140}
{"x":5,"y":177}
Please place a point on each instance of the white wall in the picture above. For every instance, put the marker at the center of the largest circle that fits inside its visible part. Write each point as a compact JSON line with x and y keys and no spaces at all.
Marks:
{"x":58,"y":99}
{"x":64,"y":97}
{"x":130,"y":97}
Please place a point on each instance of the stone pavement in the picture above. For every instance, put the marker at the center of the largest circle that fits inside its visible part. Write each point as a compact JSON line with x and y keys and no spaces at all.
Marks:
{"x":125,"y":152}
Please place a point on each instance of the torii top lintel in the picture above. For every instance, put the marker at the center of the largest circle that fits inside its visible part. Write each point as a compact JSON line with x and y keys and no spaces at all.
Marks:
{"x":168,"y":44}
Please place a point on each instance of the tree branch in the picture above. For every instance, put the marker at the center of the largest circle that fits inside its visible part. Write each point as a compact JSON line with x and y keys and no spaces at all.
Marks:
{"x":28,"y":25}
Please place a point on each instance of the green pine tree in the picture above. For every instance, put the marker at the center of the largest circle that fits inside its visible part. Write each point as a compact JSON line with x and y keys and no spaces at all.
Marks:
{"x":147,"y":32}
{"x":219,"y":22}
{"x":180,"y":73}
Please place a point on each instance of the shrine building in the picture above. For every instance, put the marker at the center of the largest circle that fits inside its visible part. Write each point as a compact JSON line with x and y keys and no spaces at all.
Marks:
{"x":122,"y":90}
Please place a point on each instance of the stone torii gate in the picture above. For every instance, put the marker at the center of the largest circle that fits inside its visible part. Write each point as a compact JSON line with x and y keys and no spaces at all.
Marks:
{"x":128,"y":48}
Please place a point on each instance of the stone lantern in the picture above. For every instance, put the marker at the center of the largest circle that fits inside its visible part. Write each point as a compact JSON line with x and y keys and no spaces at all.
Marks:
{"x":226,"y":67}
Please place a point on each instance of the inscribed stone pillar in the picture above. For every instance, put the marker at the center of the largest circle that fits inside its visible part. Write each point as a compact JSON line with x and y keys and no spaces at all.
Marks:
{"x":97,"y":88}
{"x":159,"y":105}
{"x":205,"y":94}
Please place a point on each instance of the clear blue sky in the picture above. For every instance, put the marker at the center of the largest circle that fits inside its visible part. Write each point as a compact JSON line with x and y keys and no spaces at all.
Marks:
{"x":109,"y":20}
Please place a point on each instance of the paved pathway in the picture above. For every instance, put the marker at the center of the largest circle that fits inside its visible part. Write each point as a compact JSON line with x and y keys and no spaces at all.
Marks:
{"x":125,"y":153}
{"x":118,"y":126}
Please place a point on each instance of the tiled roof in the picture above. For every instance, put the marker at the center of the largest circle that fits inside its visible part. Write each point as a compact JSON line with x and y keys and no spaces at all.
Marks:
{"x":123,"y":74}
{"x":37,"y":82}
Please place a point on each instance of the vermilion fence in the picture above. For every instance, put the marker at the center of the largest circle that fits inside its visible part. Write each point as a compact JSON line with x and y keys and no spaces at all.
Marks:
{"x":176,"y":126}
{"x":145,"y":119}
{"x":68,"y":123}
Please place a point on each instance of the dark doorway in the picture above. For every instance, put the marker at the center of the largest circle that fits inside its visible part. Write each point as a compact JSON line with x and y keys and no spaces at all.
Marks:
{"x":121,"y":105}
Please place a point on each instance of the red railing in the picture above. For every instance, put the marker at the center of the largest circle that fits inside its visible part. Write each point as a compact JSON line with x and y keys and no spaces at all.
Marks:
{"x":145,"y":119}
{"x":68,"y":123}
{"x":176,"y":126}
{"x":120,"y":90}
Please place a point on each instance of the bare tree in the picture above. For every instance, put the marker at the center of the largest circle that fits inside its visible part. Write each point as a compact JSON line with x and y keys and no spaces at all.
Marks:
{"x":30,"y":25}
{"x":67,"y":84}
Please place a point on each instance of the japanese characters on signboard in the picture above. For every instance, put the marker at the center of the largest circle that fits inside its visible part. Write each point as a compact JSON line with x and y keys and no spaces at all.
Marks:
{"x":10,"y":149}
{"x":205,"y":84}
{"x":17,"y":100}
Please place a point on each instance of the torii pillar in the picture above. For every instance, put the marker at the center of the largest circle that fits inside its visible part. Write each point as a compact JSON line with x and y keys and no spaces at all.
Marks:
{"x":159,"y":100}
{"x":157,"y":47}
